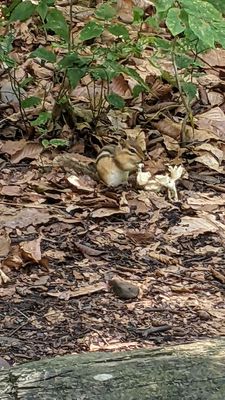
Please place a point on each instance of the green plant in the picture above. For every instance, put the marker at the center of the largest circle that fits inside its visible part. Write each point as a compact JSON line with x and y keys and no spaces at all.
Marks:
{"x":195,"y":26}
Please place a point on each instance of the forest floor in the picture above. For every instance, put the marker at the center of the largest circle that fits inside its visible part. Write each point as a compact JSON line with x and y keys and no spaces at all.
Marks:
{"x":67,"y":242}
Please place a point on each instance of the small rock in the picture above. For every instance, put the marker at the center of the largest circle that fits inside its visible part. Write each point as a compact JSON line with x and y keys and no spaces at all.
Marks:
{"x":124,"y":290}
{"x":3,"y":363}
{"x":203,"y":315}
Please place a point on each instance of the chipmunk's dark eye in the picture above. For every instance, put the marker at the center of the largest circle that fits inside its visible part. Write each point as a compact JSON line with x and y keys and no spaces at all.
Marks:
{"x":132,"y":150}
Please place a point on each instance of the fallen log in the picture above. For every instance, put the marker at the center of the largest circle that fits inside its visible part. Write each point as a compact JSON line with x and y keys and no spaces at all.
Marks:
{"x":194,"y":371}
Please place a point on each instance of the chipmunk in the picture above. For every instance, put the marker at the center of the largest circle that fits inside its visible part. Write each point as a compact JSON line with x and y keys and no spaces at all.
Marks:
{"x":115,"y":162}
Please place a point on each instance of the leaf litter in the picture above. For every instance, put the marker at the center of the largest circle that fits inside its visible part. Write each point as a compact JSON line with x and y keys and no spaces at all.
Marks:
{"x":85,"y":268}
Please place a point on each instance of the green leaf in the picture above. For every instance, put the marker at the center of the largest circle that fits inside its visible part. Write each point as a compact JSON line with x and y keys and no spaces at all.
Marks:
{"x":115,"y":100}
{"x":44,"y":54}
{"x":163,"y":5}
{"x":113,"y":69}
{"x":183,"y":61}
{"x":25,"y":82}
{"x":43,"y":117}
{"x":137,"y":90}
{"x":134,"y":74}
{"x":105,"y":11}
{"x":91,"y":30}
{"x":73,"y":59}
{"x":23,"y":11}
{"x":99,"y":73}
{"x":202,"y":29}
{"x":54,"y":143}
{"x":173,"y":21}
{"x":57,"y":23}
{"x":190,"y":89}
{"x":75,"y":75}
{"x":42,"y":9}
{"x":218,"y":4}
{"x":138,"y":14}
{"x":163,"y":44}
{"x":219,"y":29}
{"x":201,"y":10}
{"x":153,"y":22}
{"x":31,"y":102}
{"x":119,"y":30}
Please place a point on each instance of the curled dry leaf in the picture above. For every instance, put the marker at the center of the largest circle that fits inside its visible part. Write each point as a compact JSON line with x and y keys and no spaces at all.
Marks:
{"x":82,"y":291}
{"x":210,"y":156}
{"x":30,"y":150}
{"x":31,"y":250}
{"x":13,"y":259}
{"x":82,"y":183}
{"x":88,"y":251}
{"x":3,"y":277}
{"x":120,"y":86}
{"x":218,"y":275}
{"x":163,"y":258}
{"x":194,"y":226}
{"x":213,"y":120}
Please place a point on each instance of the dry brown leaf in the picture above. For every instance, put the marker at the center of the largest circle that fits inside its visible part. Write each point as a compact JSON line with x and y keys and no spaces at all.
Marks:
{"x":209,"y":80}
{"x":213,"y":120}
{"x":120,"y":86}
{"x":5,"y":244}
{"x":218,"y":275}
{"x":206,"y":201}
{"x":11,"y":147}
{"x":194,"y":226}
{"x":10,"y":190}
{"x":31,"y":250}
{"x":30,"y":150}
{"x":54,"y":316}
{"x":214,"y":57}
{"x":163,"y":258}
{"x":25,"y":217}
{"x":13,"y":259}
{"x":210,"y":161}
{"x":215,"y":98}
{"x":3,"y":277}
{"x":79,"y":292}
{"x":88,"y":251}
{"x":82,"y":183}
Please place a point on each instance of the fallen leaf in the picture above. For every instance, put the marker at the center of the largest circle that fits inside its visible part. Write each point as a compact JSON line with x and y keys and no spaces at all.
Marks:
{"x":194,"y":226}
{"x":24,"y":217}
{"x":218,"y":275}
{"x":82,"y":183}
{"x":88,"y":251}
{"x":54,"y":316}
{"x":5,"y":243}
{"x":79,"y":292}
{"x":10,"y":190}
{"x":31,"y":250}
{"x":30,"y":150}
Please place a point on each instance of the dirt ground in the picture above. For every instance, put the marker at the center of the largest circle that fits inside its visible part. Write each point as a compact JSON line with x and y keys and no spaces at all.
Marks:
{"x":61,"y":258}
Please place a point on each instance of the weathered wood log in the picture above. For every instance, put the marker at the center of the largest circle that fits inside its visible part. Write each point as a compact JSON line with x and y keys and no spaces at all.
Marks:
{"x":193,"y":371}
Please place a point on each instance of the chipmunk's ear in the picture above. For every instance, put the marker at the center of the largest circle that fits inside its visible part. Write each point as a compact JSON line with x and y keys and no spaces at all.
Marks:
{"x":122,"y":142}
